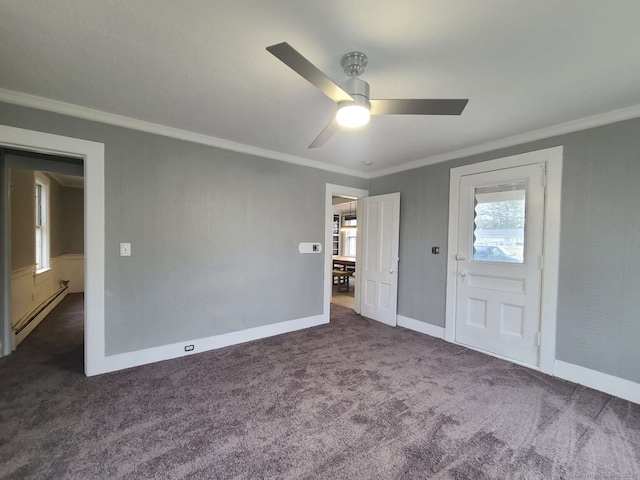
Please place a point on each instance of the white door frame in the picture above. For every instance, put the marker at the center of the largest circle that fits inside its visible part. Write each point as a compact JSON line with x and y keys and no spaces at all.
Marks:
{"x":92,"y":153}
{"x":331,"y":191}
{"x":552,"y":157}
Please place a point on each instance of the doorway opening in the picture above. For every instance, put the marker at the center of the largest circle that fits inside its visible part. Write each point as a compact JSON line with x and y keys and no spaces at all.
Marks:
{"x":502,"y":270}
{"x":343,"y":250}
{"x":342,"y":213}
{"x":45,"y":244}
{"x":92,"y":155}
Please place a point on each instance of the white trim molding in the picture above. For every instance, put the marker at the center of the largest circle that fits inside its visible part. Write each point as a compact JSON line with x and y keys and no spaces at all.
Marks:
{"x":602,"y":382}
{"x":422,"y":327}
{"x":332,"y":190}
{"x":552,"y":158}
{"x":94,"y":228}
{"x":556,"y":130}
{"x":72,"y":110}
{"x":176,"y":350}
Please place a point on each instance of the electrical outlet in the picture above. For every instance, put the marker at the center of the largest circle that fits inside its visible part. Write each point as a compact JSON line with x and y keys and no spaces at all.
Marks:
{"x":188,"y":348}
{"x":435,"y":250}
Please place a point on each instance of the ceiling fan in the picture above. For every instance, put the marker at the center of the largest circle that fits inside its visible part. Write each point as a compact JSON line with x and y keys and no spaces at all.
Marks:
{"x":352,"y":96}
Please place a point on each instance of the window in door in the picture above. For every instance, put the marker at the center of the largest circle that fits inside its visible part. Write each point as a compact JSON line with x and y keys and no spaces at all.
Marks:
{"x":42,"y":222}
{"x":499,"y":222}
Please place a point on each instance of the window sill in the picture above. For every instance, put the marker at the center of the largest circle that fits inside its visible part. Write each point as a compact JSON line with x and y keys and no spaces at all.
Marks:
{"x":41,"y":271}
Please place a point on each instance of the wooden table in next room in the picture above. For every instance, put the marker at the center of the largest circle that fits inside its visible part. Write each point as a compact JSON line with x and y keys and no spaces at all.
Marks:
{"x":344,"y":263}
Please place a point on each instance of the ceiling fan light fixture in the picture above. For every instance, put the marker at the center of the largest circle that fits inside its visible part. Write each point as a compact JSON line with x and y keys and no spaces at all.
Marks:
{"x":358,"y":112}
{"x":353,"y":116}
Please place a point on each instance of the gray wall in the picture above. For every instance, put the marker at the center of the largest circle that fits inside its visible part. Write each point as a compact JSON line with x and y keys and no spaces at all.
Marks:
{"x":22,"y":219}
{"x":212,"y":250}
{"x":599,"y":294}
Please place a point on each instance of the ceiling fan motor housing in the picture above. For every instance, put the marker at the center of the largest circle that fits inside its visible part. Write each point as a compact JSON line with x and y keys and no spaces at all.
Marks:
{"x":358,"y":89}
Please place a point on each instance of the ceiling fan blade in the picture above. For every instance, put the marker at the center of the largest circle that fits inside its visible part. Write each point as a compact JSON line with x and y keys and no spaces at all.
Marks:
{"x":303,"y":67}
{"x":425,"y":106}
{"x":326,"y":134}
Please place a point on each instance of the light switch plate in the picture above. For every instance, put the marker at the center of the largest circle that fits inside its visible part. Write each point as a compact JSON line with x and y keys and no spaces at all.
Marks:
{"x":125,"y":249}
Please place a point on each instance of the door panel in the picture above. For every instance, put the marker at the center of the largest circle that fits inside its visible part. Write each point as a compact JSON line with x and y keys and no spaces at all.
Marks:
{"x":500,"y":232}
{"x":380,"y":236}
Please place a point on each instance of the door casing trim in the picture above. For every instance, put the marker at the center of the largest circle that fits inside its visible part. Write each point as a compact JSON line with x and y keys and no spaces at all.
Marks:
{"x":94,"y":233}
{"x":552,"y":157}
{"x":332,"y":190}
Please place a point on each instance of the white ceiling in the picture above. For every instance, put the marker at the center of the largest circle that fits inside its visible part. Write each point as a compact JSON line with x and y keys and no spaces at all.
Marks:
{"x":202,"y":66}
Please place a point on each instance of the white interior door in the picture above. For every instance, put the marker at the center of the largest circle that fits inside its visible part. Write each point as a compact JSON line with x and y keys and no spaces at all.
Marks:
{"x":380,"y":230}
{"x":499,"y":262}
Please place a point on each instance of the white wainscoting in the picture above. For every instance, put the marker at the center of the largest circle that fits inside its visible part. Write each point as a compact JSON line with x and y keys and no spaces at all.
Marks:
{"x":28,"y":289}
{"x":22,"y":286}
{"x":74,"y":271}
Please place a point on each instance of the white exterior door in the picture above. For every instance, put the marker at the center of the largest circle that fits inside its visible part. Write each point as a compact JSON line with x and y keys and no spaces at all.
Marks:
{"x":499,"y":262}
{"x":380,"y":227}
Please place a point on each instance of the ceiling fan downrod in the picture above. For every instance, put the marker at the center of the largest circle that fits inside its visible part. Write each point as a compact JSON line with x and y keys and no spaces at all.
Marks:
{"x":354,"y":63}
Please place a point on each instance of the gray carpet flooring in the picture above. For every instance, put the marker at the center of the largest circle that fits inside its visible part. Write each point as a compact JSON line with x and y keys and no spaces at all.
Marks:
{"x":354,"y":399}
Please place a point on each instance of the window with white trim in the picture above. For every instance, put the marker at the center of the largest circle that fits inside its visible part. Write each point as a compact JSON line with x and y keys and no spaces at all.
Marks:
{"x":42,"y":222}
{"x":350,"y":233}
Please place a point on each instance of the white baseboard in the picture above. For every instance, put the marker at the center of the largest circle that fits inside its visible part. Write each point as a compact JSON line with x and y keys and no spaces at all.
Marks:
{"x":421,"y":327}
{"x":36,"y":321}
{"x":121,"y":361}
{"x":603,"y":382}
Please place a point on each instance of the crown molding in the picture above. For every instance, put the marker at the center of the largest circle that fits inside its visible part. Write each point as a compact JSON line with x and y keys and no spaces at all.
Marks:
{"x":547,"y":132}
{"x":70,"y":109}
{"x":56,"y":106}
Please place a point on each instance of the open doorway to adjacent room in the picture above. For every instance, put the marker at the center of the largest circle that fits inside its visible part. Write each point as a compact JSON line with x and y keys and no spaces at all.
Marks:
{"x":342,"y":247}
{"x":45,"y":248}
{"x":343,"y":250}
